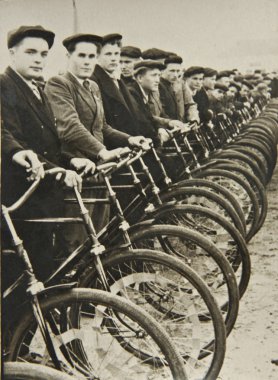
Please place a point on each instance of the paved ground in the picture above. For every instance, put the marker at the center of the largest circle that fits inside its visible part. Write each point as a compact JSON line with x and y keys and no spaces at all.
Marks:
{"x":253,"y":344}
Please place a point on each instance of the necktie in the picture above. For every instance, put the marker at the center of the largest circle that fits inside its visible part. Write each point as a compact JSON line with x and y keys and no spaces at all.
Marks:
{"x":36,"y":90}
{"x":86,"y":84}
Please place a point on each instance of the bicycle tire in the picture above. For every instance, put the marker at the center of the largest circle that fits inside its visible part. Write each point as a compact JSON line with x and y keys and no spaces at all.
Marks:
{"x":252,"y":214}
{"x":200,"y":196}
{"x":28,"y":371}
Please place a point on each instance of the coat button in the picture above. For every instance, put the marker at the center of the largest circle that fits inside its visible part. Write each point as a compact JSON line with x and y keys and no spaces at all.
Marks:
{"x":42,"y":126}
{"x":45,"y":153}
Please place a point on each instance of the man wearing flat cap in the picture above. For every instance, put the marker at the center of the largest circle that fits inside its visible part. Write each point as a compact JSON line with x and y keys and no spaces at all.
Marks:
{"x":216,"y":98}
{"x":118,"y":105}
{"x":129,"y":56}
{"x":155,"y":55}
{"x":168,"y":80}
{"x":147,"y":76}
{"x":202,"y":98}
{"x":29,"y":141}
{"x":77,"y":106}
{"x":223,"y":77}
{"x":192,"y":82}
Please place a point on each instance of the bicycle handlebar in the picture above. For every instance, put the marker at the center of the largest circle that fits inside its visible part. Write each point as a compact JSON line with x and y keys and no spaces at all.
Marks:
{"x":32,"y":188}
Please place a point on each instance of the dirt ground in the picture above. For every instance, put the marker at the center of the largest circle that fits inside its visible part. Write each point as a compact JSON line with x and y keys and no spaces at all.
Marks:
{"x":253,"y":343}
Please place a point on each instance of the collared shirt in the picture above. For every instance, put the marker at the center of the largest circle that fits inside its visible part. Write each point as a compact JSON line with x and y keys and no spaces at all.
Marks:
{"x":145,"y":95}
{"x":31,"y":83}
{"x":81,"y":81}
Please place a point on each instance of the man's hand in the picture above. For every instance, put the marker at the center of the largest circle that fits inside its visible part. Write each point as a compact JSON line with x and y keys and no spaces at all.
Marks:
{"x":110,"y":155}
{"x":175,"y":124}
{"x":140,"y":142}
{"x":70,"y":179}
{"x":29,"y":160}
{"x":163,"y":135}
{"x":83,"y":164}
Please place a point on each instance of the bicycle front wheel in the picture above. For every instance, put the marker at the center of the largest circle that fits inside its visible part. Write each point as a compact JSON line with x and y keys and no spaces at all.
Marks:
{"x":98,"y":336}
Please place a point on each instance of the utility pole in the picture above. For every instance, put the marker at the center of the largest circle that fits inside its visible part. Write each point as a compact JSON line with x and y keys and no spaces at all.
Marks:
{"x":75,"y":18}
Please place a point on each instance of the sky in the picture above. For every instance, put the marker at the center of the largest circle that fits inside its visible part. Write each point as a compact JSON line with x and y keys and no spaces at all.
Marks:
{"x":223,"y":34}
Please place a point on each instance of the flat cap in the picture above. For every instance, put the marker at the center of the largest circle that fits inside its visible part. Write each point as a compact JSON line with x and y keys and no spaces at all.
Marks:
{"x":193,"y":70}
{"x":223,"y":74}
{"x":131,"y":52}
{"x":208,"y":72}
{"x":17,"y":35}
{"x":110,"y":38}
{"x":235,"y":84}
{"x":148,"y":64}
{"x":220,"y":86}
{"x":154,"y":53}
{"x":81,"y":37}
{"x":238,"y":78}
{"x":247,"y":84}
{"x":262,"y":86}
{"x":173,"y":59}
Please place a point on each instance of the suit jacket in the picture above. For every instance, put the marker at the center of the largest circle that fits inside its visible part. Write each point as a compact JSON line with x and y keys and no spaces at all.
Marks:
{"x":27,"y":123}
{"x":168,"y":99}
{"x":146,"y":122}
{"x":80,"y":117}
{"x":119,"y":108}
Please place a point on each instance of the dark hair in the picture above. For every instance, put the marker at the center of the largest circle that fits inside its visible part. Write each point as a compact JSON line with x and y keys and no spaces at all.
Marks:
{"x":71,"y":46}
{"x":114,"y":42}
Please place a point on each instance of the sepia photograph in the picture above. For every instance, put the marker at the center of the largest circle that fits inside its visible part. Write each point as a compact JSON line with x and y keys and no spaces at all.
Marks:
{"x":139,"y":189}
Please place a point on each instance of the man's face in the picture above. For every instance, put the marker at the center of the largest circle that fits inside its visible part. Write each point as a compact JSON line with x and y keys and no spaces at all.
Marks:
{"x":150,"y":80}
{"x":231,"y":92}
{"x":172,"y":72}
{"x":244,"y":91}
{"x":127,"y":65}
{"x":224,"y":80}
{"x":195,"y":82}
{"x":109,"y":57}
{"x":29,"y":57}
{"x":83,"y":59}
{"x":209,"y":82}
{"x":218,"y":94}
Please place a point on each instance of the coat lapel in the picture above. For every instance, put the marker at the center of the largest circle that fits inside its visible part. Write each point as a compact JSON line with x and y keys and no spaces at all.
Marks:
{"x":41,"y":109}
{"x":82,"y":92}
{"x":108,"y":86}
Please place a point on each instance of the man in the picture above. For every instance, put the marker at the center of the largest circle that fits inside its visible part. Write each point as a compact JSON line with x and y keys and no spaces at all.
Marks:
{"x":223,"y":77}
{"x":216,"y":98}
{"x":117,"y":103}
{"x":193,"y":81}
{"x":77,"y":104}
{"x":129,"y":56}
{"x":147,"y":75}
{"x":202,"y":98}
{"x":170,"y":76}
{"x":29,"y":140}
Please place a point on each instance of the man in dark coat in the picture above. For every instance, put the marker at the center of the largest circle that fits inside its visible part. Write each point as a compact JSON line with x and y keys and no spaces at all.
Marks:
{"x":168,"y":79}
{"x":29,"y":138}
{"x":129,"y":56}
{"x":118,"y":105}
{"x":201,"y":97}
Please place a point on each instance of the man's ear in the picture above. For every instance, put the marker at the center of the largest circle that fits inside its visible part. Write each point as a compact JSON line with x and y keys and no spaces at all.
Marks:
{"x":12,"y":52}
